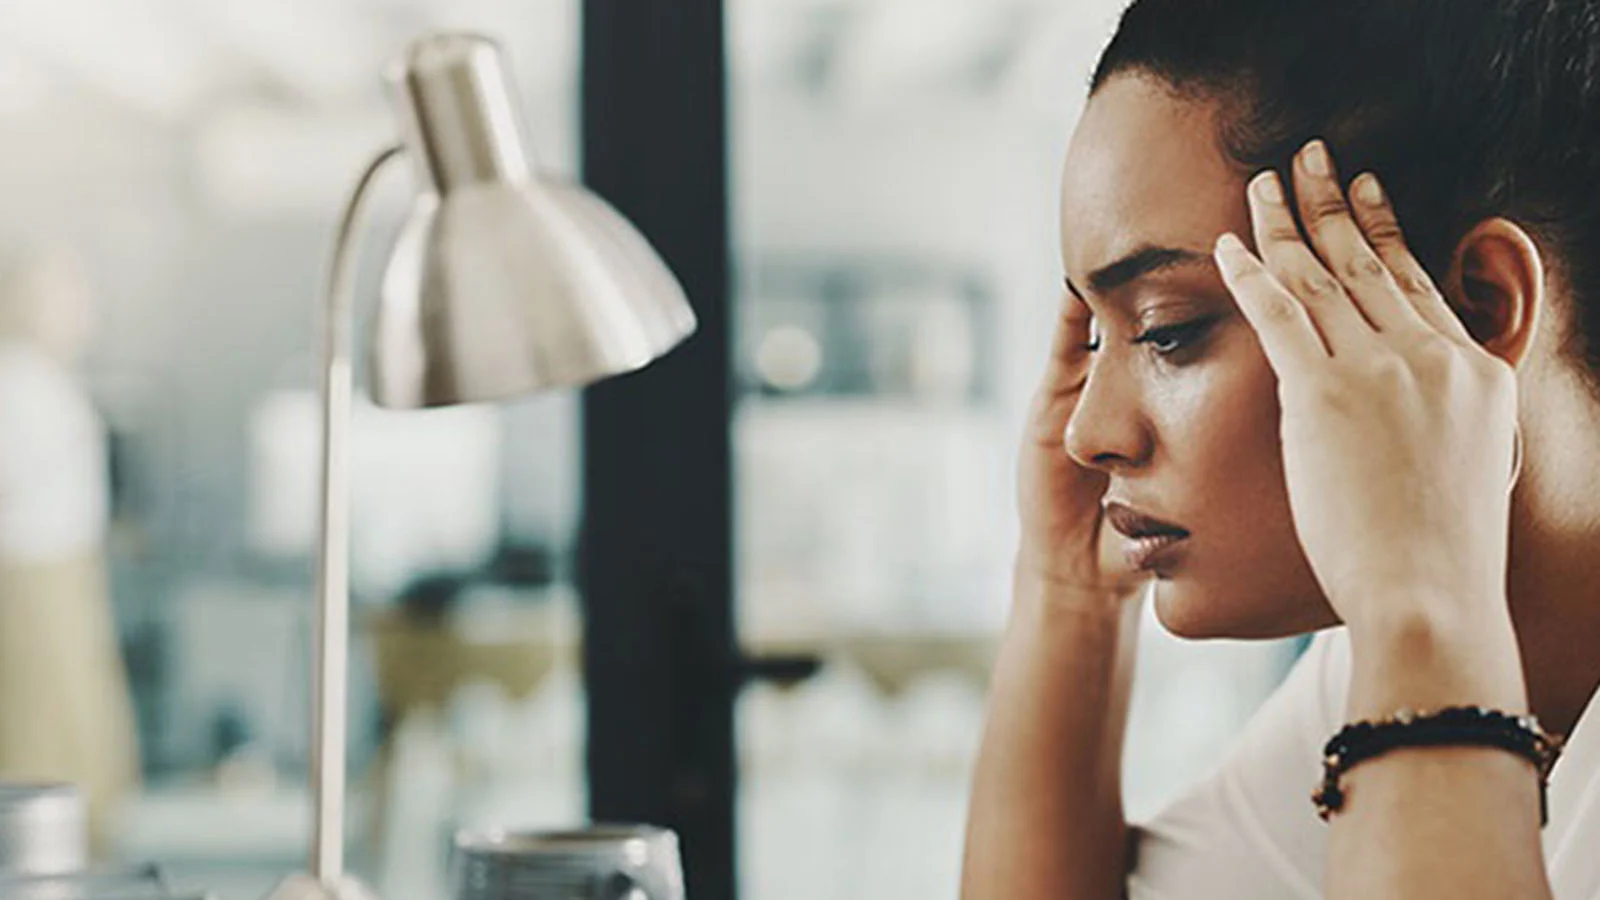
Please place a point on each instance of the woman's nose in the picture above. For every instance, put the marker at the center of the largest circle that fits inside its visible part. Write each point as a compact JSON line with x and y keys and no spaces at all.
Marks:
{"x":1104,"y":431}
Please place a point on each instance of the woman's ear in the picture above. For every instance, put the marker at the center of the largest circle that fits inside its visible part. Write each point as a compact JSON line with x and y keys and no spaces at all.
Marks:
{"x":1497,"y":287}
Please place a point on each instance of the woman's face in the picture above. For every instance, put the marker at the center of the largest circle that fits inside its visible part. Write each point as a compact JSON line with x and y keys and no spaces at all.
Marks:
{"x":1180,"y":409}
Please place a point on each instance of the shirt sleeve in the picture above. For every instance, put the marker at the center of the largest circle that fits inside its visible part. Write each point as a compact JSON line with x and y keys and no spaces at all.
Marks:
{"x":1248,"y":828}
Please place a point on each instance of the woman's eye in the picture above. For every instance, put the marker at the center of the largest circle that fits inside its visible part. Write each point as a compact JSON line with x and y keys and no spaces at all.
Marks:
{"x":1171,"y":339}
{"x":1167,"y":340}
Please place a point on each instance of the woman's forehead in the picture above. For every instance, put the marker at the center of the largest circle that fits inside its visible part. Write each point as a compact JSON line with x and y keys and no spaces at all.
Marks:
{"x":1144,"y":169}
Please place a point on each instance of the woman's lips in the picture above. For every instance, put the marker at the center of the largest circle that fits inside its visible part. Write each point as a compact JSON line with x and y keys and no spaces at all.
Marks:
{"x":1147,"y":540}
{"x":1146,"y":553}
{"x":1132,"y":523}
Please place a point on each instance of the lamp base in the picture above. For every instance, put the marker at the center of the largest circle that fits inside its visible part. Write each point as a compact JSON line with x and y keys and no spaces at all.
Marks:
{"x":303,"y":887}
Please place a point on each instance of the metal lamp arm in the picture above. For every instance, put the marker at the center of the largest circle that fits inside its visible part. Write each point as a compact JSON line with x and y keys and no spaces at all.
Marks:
{"x":330,"y":711}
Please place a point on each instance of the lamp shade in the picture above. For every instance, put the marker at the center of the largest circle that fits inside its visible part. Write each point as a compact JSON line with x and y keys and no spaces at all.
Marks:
{"x":504,"y":280}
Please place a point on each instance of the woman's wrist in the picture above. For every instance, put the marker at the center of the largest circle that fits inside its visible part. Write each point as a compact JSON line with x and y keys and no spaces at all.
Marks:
{"x":1429,"y":655}
{"x":1038,"y":591}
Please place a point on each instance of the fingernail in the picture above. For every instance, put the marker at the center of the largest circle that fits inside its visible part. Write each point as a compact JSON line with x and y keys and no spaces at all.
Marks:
{"x":1229,"y":243}
{"x":1316,"y":158}
{"x":1268,"y":188}
{"x":1368,"y":191}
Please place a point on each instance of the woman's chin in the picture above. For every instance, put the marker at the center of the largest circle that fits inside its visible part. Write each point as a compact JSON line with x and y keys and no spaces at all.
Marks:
{"x":1198,"y":615}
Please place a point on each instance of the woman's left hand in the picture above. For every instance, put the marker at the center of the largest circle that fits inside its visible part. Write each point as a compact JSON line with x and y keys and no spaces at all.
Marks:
{"x":1397,"y":426}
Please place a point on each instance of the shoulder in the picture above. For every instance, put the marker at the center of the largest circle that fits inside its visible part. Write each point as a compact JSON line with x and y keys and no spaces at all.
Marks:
{"x":1248,"y":828}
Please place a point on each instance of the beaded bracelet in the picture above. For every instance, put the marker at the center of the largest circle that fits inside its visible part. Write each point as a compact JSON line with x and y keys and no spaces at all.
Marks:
{"x":1453,"y":726}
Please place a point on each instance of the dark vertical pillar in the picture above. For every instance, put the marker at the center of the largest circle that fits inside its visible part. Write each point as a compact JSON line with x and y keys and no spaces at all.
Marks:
{"x":656,"y":552}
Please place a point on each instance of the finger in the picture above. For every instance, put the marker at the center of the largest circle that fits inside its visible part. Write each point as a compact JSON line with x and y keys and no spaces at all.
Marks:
{"x":1378,"y":222}
{"x":1069,"y":347}
{"x":1344,"y":248}
{"x":1288,"y":336}
{"x":1065,"y":370}
{"x":1298,"y":270}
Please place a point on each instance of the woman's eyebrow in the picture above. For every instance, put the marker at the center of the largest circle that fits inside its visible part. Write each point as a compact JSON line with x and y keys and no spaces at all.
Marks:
{"x":1141,"y":262}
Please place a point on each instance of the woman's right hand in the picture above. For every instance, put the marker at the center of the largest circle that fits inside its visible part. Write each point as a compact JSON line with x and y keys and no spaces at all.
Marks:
{"x":1066,"y":542}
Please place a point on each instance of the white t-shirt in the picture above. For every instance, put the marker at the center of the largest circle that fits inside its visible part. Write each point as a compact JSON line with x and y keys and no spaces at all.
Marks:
{"x":1248,"y":831}
{"x":54,"y":491}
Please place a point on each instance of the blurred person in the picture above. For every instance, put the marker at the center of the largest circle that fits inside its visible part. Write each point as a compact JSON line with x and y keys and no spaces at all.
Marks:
{"x":65,"y":709}
{"x":1331,"y":281}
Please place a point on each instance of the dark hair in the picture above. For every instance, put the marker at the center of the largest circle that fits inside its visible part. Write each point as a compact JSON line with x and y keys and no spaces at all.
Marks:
{"x":1467,"y":109}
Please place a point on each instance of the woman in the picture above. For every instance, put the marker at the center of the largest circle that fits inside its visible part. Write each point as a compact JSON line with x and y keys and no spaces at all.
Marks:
{"x":65,"y":710}
{"x":1325,"y":414}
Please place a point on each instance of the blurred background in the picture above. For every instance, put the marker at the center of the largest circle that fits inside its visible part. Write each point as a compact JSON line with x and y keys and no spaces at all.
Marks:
{"x":891,"y":174}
